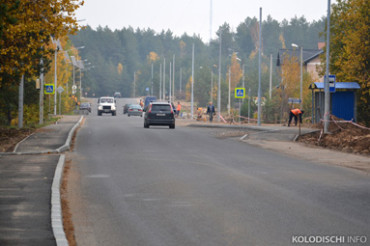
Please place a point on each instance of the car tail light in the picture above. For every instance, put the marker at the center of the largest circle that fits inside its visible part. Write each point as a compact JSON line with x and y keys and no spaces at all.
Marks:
{"x":171,"y":110}
{"x":150,"y":108}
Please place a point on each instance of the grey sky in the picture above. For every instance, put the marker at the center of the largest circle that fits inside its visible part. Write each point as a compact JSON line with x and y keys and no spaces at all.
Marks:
{"x":192,"y":16}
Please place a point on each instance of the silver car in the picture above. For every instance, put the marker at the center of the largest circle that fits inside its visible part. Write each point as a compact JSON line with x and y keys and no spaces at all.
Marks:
{"x":135,"y":109}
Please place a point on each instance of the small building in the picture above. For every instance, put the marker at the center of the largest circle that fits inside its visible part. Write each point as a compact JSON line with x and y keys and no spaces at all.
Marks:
{"x":343,"y":102}
{"x":311,"y":60}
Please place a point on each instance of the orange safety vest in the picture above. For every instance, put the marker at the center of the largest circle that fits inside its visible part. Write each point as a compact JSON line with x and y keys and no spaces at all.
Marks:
{"x":178,"y":107}
{"x":296,"y":111}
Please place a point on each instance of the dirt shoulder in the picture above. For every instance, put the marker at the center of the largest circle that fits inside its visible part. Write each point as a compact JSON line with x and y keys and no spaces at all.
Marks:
{"x":316,"y":154}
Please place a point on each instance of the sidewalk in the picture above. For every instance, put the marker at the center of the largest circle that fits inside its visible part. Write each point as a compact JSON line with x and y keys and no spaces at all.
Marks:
{"x":30,"y":210}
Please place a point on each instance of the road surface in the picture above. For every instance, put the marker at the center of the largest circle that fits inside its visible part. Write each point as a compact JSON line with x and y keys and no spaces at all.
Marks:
{"x":159,"y":186}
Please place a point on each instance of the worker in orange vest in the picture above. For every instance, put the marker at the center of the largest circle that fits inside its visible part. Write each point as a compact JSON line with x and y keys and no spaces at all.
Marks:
{"x":178,"y":109}
{"x":295,"y":113}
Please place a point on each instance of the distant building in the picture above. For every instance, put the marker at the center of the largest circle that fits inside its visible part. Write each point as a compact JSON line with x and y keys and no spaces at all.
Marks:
{"x":311,"y":59}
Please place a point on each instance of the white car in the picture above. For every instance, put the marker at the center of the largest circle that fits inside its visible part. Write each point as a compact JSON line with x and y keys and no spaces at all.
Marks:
{"x":107,"y":105}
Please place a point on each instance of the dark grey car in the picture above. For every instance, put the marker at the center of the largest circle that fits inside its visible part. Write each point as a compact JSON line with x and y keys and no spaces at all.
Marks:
{"x":160,"y":114}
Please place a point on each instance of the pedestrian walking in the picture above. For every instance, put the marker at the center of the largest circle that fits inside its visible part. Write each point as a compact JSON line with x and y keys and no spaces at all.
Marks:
{"x":295,"y":113}
{"x":210,"y":111}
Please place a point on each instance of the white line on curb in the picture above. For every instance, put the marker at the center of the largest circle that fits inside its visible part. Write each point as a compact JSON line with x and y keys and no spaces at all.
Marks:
{"x":56,"y":207}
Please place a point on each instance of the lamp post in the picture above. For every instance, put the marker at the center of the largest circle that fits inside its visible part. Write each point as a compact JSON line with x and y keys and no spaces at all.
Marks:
{"x":74,"y":63}
{"x":81,"y":66}
{"x":326,"y":82}
{"x":259,"y":70}
{"x":192,"y":85}
{"x":219,"y":81}
{"x":228,"y":101}
{"x":301,"y":73}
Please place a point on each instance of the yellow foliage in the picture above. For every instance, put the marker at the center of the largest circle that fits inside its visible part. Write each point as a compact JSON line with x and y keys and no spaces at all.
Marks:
{"x":236,"y":71}
{"x":188,"y":90}
{"x":152,"y":57}
{"x":119,"y":68}
{"x":182,"y":48}
{"x":34,"y":24}
{"x":282,"y":40}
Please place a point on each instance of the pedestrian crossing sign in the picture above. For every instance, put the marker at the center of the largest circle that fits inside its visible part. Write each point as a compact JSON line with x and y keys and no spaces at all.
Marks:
{"x":49,"y":89}
{"x":239,"y":92}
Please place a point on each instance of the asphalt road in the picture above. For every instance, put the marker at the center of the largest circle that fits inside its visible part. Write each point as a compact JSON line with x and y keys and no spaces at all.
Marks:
{"x":185,"y":186}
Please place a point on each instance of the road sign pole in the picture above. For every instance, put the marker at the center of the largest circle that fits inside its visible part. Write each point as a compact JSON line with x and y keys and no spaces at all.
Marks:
{"x":55,"y":80}
{"x":60,"y":103}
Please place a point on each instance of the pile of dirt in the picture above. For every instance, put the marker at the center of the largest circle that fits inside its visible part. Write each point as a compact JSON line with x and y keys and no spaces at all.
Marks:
{"x":9,"y":137}
{"x":344,"y":136}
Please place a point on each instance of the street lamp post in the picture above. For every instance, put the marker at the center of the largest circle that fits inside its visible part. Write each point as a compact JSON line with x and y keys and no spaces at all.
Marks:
{"x":259,"y":70}
{"x":219,"y":81}
{"x":192,"y":84}
{"x":228,"y":102}
{"x":301,"y":72}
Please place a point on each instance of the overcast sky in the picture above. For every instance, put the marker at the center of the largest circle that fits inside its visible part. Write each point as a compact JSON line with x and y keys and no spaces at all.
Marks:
{"x":192,"y":16}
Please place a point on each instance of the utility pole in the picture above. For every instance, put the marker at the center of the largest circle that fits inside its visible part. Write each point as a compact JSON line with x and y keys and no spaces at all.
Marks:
{"x":270,"y":90}
{"x":219,"y":81}
{"x":41,"y":98}
{"x":243,"y":71}
{"x":20,"y":102}
{"x":164,"y":79}
{"x":152,"y":81}
{"x":170,"y":84}
{"x":173,"y":78}
{"x":210,"y":22}
{"x":326,"y":83}
{"x":192,"y":85}
{"x":211,"y":99}
{"x":180,"y":79}
{"x":228,"y":102}
{"x":55,"y":80}
{"x":160,"y":81}
{"x":301,"y":77}
{"x":259,"y":70}
{"x":134,"y":84}
{"x":249,"y":104}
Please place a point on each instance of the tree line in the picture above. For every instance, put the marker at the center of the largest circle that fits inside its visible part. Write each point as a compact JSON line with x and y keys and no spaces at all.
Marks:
{"x":120,"y":54}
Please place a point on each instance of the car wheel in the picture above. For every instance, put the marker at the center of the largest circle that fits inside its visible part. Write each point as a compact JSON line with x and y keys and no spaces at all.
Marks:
{"x":172,"y":126}
{"x":128,"y":115}
{"x":146,"y":125}
{"x":99,"y":113}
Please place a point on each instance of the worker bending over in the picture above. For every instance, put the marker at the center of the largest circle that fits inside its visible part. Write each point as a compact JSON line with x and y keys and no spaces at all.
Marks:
{"x":295,"y":113}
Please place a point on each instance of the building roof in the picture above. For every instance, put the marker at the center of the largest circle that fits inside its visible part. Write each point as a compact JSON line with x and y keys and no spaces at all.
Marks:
{"x":338,"y":85}
{"x":307,"y":54}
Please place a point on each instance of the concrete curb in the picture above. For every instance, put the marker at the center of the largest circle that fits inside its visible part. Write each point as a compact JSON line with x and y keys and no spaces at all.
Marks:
{"x":256,"y":128}
{"x":67,"y":144}
{"x":56,"y":206}
{"x":16,"y":147}
{"x":59,"y":150}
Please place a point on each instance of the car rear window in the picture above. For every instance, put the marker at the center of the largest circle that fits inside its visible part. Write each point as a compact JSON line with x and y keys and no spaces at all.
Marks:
{"x":106,"y":100}
{"x":156,"y":107}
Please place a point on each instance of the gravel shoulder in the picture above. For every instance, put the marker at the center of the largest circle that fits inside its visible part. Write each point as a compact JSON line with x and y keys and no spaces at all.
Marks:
{"x":315,"y":154}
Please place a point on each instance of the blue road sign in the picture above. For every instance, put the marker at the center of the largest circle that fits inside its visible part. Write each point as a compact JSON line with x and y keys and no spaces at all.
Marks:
{"x":332,"y":80}
{"x":294,"y":100}
{"x":49,"y":89}
{"x":239,"y":92}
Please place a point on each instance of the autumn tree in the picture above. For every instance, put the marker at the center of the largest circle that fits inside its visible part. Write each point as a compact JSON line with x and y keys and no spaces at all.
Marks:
{"x":350,"y":49}
{"x":26,"y":28}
